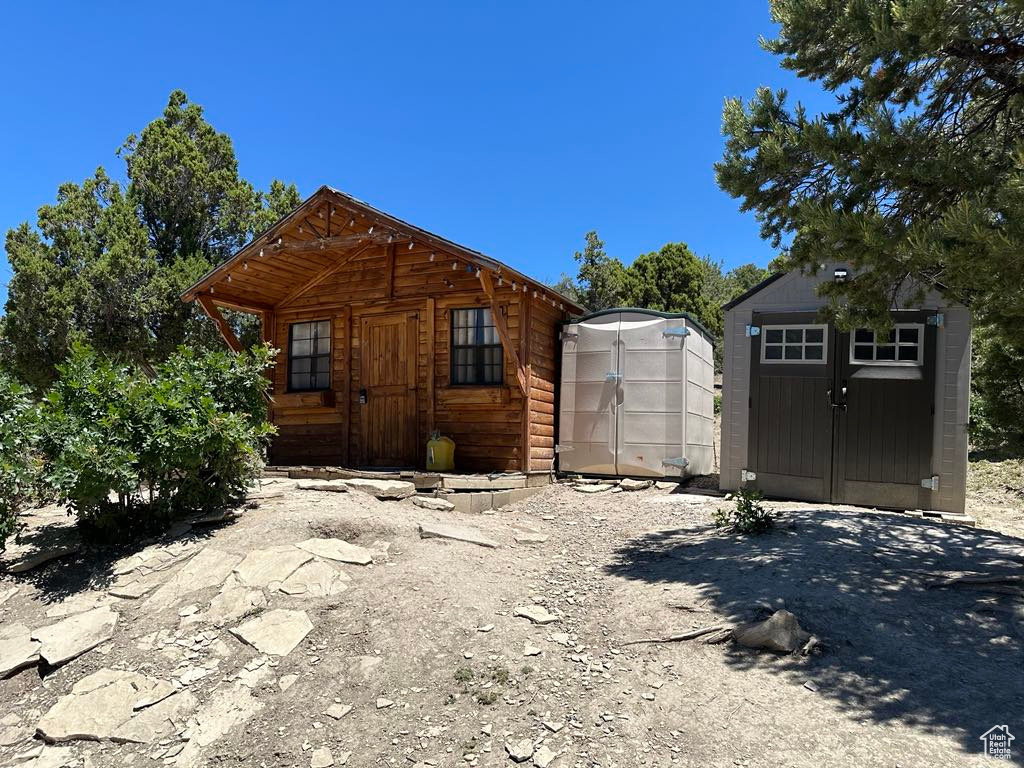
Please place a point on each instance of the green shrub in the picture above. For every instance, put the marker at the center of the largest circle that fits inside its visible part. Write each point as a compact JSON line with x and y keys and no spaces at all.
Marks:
{"x":19,"y":435}
{"x":128,"y":452}
{"x":718,"y":402}
{"x":749,"y":515}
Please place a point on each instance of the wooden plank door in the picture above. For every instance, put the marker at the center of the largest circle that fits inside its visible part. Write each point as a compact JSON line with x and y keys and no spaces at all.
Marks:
{"x":791,"y":416}
{"x":883,"y":445}
{"x":387,"y":390}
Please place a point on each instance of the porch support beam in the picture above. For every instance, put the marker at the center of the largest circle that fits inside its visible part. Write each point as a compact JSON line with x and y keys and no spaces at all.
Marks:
{"x":206,"y":302}
{"x":499,"y":323}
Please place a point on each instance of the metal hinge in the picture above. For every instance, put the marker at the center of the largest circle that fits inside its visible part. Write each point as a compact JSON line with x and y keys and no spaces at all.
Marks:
{"x":753,"y":330}
{"x":937,"y":320}
{"x":679,"y":461}
{"x":931,"y":483}
{"x":563,"y":448}
{"x":746,"y":475}
{"x":567,"y":335}
{"x":676,"y":332}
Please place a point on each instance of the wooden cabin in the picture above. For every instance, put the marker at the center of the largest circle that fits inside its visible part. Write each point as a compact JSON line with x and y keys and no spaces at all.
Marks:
{"x":386,"y":333}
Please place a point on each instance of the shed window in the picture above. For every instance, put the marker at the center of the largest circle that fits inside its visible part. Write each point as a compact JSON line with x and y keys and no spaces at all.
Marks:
{"x":794,"y":344}
{"x":309,"y":356}
{"x":477,"y":357}
{"x":903,"y":345}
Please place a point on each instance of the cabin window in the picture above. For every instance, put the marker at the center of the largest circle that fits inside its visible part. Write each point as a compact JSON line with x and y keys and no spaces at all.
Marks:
{"x":477,"y":356}
{"x":903,"y":345}
{"x":794,"y":344}
{"x":309,"y":356}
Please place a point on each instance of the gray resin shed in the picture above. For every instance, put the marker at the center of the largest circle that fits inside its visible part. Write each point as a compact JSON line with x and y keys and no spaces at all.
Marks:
{"x":812,"y":413}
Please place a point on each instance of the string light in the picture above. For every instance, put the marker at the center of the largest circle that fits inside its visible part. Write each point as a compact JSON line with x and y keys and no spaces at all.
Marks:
{"x":229,"y":278}
{"x":390,"y":238}
{"x":410,"y":245}
{"x":211,"y":289}
{"x":370,"y":231}
{"x":513,"y":285}
{"x":455,"y":265}
{"x":432,"y":254}
{"x":501,"y":281}
{"x":300,"y":230}
{"x":351,"y":222}
{"x":261,"y":253}
{"x":245,"y":265}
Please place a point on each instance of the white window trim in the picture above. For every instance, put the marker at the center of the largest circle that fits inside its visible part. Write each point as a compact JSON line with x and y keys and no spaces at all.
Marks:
{"x":891,"y":363}
{"x":795,"y":326}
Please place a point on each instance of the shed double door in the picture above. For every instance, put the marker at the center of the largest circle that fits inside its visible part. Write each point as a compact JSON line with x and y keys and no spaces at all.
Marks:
{"x":387,"y":390}
{"x":825,"y":427}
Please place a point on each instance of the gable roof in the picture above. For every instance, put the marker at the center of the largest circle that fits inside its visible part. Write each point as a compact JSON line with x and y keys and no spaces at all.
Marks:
{"x":368,"y":224}
{"x":751,"y":291}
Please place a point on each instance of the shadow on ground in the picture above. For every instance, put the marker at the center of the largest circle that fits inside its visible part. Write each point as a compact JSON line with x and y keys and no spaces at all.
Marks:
{"x":92,"y":566}
{"x":945,"y":659}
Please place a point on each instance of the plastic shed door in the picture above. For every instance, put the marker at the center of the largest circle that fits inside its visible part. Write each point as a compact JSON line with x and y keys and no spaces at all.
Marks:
{"x":651,"y":416}
{"x":633,"y":385}
{"x":589,"y":388}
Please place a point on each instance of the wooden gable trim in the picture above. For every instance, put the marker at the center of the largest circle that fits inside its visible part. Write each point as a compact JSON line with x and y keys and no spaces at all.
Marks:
{"x":503,"y":334}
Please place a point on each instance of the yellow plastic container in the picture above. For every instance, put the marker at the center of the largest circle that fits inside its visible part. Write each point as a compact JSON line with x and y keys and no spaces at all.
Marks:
{"x":440,"y":454}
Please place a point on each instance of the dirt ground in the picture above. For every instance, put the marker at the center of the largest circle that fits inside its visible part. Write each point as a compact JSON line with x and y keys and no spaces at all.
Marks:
{"x":906,"y":675}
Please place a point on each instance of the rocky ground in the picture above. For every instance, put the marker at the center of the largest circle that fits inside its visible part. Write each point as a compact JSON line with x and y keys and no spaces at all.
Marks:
{"x":320,"y":627}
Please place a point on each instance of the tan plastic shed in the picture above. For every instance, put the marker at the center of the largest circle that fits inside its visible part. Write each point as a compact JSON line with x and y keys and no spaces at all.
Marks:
{"x":636,"y":396}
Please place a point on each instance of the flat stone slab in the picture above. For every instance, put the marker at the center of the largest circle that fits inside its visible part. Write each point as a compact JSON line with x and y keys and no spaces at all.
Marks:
{"x":33,"y":558}
{"x":628,"y":484}
{"x":75,"y":635}
{"x":429,"y":502}
{"x":78,"y":603}
{"x":382,"y":489}
{"x":17,"y":649}
{"x":314,"y":579}
{"x":119,"y":706}
{"x":535,"y":613}
{"x":207,"y":569}
{"x":265,"y":566}
{"x":338,"y":550}
{"x":275,"y":632}
{"x":233,"y":603}
{"x":456,"y":533}
{"x":7,"y":594}
{"x":529,"y":537}
{"x":594,"y":488}
{"x":329,"y":486}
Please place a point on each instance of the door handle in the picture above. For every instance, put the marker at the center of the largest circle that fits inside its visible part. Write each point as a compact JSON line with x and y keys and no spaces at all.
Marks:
{"x":832,"y":403}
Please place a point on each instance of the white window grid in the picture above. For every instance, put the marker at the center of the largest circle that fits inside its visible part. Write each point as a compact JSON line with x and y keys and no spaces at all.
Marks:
{"x":899,"y":343}
{"x":802,"y":344}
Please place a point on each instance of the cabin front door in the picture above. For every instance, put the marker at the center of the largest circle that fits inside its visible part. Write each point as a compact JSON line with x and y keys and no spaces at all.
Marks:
{"x":387,"y":390}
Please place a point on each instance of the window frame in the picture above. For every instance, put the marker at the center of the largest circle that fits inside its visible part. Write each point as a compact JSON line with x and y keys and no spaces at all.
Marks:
{"x":479,"y":365}
{"x":803,"y":327}
{"x":917,"y":363}
{"x":292,"y":357}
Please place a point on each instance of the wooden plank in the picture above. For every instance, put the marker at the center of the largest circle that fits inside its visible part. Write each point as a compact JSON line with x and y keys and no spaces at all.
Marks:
{"x":345,"y":321}
{"x":206,"y":302}
{"x":499,"y":323}
{"x":526,"y":349}
{"x":431,"y":377}
{"x":389,"y":272}
{"x":341,"y":262}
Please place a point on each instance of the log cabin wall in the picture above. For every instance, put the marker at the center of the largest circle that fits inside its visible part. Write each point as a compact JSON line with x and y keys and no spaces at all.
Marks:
{"x":495,"y":428}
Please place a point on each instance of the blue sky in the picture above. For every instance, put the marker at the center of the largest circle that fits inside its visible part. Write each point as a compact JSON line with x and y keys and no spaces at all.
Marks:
{"x":513,"y":128}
